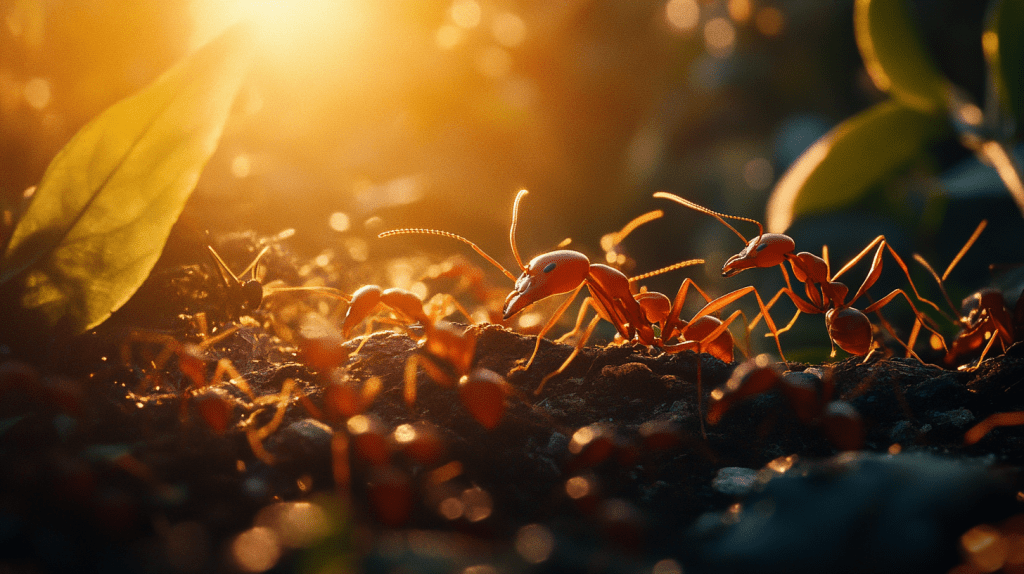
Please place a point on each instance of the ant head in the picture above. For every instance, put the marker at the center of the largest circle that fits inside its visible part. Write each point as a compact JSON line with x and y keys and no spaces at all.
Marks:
{"x":548,"y":274}
{"x":766,"y":250}
{"x":251,"y":294}
{"x":986,"y":300}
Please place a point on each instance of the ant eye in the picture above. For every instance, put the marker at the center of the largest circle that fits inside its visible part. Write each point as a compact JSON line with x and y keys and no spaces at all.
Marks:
{"x":760,"y":246}
{"x":549,"y":267}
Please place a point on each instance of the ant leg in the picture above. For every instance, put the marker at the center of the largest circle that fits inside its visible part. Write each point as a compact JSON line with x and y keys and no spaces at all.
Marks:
{"x":409,"y":391}
{"x":978,"y":431}
{"x":257,"y":436}
{"x":673,"y":324}
{"x":730,"y":297}
{"x":551,"y":323}
{"x":1000,"y":332}
{"x":942,"y":288}
{"x":169,"y":346}
{"x":914,"y":332}
{"x":438,"y":309}
{"x":366,"y":337}
{"x":572,"y":355}
{"x":876,"y":270}
{"x":700,"y":347}
{"x":874,"y":307}
{"x":587,"y":303}
{"x":984,"y":352}
{"x":225,"y":367}
{"x":201,"y":326}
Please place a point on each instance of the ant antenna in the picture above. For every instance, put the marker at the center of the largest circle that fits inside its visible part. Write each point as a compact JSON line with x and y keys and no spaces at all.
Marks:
{"x":963,"y":250}
{"x":612,"y":239}
{"x":924,"y":263}
{"x":512,"y":229}
{"x":952,"y":264}
{"x":254,"y":266}
{"x":226,"y":274}
{"x":410,"y":230}
{"x":672,"y":267}
{"x":715,"y":214}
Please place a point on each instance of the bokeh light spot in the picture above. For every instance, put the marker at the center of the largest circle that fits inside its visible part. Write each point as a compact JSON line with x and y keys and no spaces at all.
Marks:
{"x":494,"y":62}
{"x":578,"y":486}
{"x":358,"y":249}
{"x":667,"y":566}
{"x":508,"y":29}
{"x":478,"y":504}
{"x":241,"y":166}
{"x":719,"y":37}
{"x":580,"y":439}
{"x":448,"y":37}
{"x":683,"y":15}
{"x":530,"y":320}
{"x":534,"y":543}
{"x":465,"y":13}
{"x":985,"y":547}
{"x":758,"y":173}
{"x":782,"y":464}
{"x":740,"y":10}
{"x":339,"y":221}
{"x":295,"y":524}
{"x":770,"y":21}
{"x":404,"y":433}
{"x":451,"y":508}
{"x":419,"y":289}
{"x":358,"y":424}
{"x":990,"y":43}
{"x":37,"y":93}
{"x":256,"y":550}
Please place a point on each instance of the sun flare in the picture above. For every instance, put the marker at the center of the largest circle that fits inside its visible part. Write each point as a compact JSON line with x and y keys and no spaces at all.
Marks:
{"x":299,"y":32}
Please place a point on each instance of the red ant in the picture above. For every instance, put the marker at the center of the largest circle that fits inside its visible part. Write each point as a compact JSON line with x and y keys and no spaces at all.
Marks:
{"x":445,"y":352}
{"x":983,"y":316}
{"x":809,"y":394}
{"x":848,"y":327}
{"x":634,"y":316}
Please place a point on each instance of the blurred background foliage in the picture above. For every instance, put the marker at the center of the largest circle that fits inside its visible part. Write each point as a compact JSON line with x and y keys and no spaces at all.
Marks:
{"x":362,"y":116}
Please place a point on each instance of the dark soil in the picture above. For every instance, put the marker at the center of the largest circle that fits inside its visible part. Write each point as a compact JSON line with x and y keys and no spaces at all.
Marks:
{"x":112,"y":465}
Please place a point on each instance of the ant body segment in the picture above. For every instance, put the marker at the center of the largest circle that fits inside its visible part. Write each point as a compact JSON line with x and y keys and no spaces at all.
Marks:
{"x":848,"y":327}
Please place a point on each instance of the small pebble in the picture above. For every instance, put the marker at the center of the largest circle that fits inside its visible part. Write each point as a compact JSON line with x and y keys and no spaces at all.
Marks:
{"x":735,"y":480}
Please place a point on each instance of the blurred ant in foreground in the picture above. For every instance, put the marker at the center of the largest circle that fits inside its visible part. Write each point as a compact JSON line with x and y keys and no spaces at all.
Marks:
{"x":848,"y":327}
{"x":445,"y":352}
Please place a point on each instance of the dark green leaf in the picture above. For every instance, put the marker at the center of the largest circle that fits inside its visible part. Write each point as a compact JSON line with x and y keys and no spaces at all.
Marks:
{"x":842,"y":165}
{"x":105,"y":206}
{"x":895,"y":55}
{"x":1003,"y":41}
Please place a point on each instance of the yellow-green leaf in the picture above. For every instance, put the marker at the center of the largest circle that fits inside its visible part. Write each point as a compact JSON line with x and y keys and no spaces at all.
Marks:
{"x":843,"y":164}
{"x":1003,"y":42}
{"x":105,"y":206}
{"x":895,"y":55}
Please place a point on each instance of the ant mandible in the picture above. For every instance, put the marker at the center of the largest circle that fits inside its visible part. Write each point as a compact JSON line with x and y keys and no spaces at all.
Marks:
{"x":634,"y":316}
{"x":848,"y":327}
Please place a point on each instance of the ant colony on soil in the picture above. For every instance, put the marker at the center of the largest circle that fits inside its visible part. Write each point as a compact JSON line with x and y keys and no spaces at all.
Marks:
{"x":277,"y":420}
